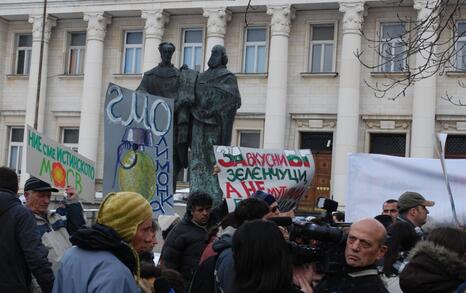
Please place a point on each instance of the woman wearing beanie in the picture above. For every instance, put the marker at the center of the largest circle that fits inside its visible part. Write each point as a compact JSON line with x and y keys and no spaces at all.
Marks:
{"x":104,"y":257}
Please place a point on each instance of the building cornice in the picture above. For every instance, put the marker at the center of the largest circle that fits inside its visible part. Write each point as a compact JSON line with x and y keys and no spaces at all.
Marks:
{"x":22,"y":7}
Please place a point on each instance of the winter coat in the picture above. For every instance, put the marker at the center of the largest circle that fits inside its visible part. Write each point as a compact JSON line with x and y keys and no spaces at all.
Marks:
{"x":215,"y":267}
{"x":291,"y":289}
{"x":21,"y":249}
{"x":55,"y":230}
{"x":100,"y":262}
{"x":432,"y":268}
{"x":402,"y":237}
{"x":183,"y":248}
{"x":225,"y":265}
{"x":352,"y":280}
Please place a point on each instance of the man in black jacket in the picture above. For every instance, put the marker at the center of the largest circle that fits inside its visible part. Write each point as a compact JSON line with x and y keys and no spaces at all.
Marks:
{"x":364,"y":246}
{"x":406,"y":231}
{"x":21,"y":249}
{"x":184,"y":245}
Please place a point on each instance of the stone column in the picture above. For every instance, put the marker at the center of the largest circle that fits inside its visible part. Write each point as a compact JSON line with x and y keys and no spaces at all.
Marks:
{"x":153,"y":31}
{"x":275,"y":108}
{"x":217,"y":19}
{"x":346,"y":140}
{"x":425,"y":91}
{"x":92,"y":85}
{"x":37,"y":21}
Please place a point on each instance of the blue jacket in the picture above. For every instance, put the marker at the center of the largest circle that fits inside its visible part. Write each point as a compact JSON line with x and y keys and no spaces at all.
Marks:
{"x":100,"y":262}
{"x":93,"y":271}
{"x":225,"y":266}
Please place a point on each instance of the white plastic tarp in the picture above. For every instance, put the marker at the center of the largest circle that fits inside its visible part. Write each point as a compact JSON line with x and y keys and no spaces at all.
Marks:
{"x":372,"y":179}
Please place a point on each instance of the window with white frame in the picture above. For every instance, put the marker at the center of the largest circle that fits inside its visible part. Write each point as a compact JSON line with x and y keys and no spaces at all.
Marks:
{"x":70,"y":137}
{"x":322,"y":48}
{"x":392,"y":50}
{"x":133,"y":52}
{"x":249,"y":138}
{"x":23,"y":53}
{"x":76,"y":52}
{"x":255,"y":50}
{"x":460,"y":45}
{"x":192,"y":48}
{"x":15,"y":149}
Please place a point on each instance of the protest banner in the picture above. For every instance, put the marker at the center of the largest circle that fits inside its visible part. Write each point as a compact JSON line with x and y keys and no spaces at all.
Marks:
{"x":372,"y":179}
{"x":138,"y":144}
{"x":59,"y":165}
{"x":285,"y":174}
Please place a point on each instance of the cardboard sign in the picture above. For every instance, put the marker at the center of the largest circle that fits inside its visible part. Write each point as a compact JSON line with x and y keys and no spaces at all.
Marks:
{"x":59,"y":165}
{"x":138,"y":144}
{"x":372,"y":179}
{"x":283,"y":173}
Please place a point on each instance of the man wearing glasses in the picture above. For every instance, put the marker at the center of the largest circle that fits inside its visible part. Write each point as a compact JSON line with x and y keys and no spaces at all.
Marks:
{"x":406,"y":231}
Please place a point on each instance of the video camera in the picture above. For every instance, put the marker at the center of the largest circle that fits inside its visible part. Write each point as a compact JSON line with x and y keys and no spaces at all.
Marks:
{"x":317,"y":240}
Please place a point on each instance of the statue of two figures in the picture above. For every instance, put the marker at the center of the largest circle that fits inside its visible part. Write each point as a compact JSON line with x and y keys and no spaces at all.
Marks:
{"x":205,"y":109}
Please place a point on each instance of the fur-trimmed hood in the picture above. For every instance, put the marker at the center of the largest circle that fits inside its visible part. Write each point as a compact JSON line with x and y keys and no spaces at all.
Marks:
{"x":449,"y":260}
{"x":432,"y":268}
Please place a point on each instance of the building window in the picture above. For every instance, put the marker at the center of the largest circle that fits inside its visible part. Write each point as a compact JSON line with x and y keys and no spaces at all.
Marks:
{"x":460,"y":45}
{"x":322,"y":48}
{"x":15,"y":149}
{"x":255,"y":50}
{"x":393,"y":144}
{"x":249,"y":139}
{"x":392,"y":50}
{"x":76,"y":52}
{"x":23,"y":53}
{"x":192,"y":48}
{"x":132,"y":52}
{"x":70,"y":138}
{"x":317,"y":142}
{"x":455,"y":147}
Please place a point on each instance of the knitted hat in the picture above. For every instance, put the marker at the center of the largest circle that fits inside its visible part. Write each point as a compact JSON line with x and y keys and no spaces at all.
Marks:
{"x":267,"y":197}
{"x":123,"y":212}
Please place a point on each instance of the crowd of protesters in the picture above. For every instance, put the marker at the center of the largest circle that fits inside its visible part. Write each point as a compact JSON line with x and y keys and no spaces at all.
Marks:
{"x":252,"y":249}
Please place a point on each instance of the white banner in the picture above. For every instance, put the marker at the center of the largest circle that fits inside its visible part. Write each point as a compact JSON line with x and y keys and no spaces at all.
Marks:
{"x":372,"y":179}
{"x":283,"y":173}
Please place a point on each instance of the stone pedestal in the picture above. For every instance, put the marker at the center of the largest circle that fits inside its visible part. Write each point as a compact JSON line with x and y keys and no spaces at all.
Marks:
{"x":276,"y":103}
{"x":217,"y":19}
{"x":346,"y":140}
{"x":425,"y":92}
{"x":153,"y":32}
{"x":37,"y":22}
{"x":92,"y":86}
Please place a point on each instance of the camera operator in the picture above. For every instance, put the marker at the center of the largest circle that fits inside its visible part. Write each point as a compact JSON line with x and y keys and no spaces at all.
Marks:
{"x":364,"y":246}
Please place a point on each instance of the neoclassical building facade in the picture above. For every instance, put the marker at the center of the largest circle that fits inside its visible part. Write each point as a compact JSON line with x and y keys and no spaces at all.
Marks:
{"x":300,"y":82}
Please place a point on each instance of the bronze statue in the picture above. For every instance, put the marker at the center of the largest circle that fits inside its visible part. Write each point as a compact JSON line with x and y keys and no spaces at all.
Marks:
{"x":167,"y":81}
{"x":216,"y":102}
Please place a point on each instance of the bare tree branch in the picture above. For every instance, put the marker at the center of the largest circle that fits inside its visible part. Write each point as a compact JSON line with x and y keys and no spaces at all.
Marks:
{"x":432,"y":40}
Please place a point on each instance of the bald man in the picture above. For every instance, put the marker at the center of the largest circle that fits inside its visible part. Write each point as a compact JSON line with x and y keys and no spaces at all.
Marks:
{"x":364,"y":246}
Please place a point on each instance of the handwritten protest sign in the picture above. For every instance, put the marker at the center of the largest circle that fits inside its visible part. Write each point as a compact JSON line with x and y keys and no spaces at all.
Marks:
{"x":59,"y":165}
{"x":283,"y":173}
{"x":139,"y":146}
